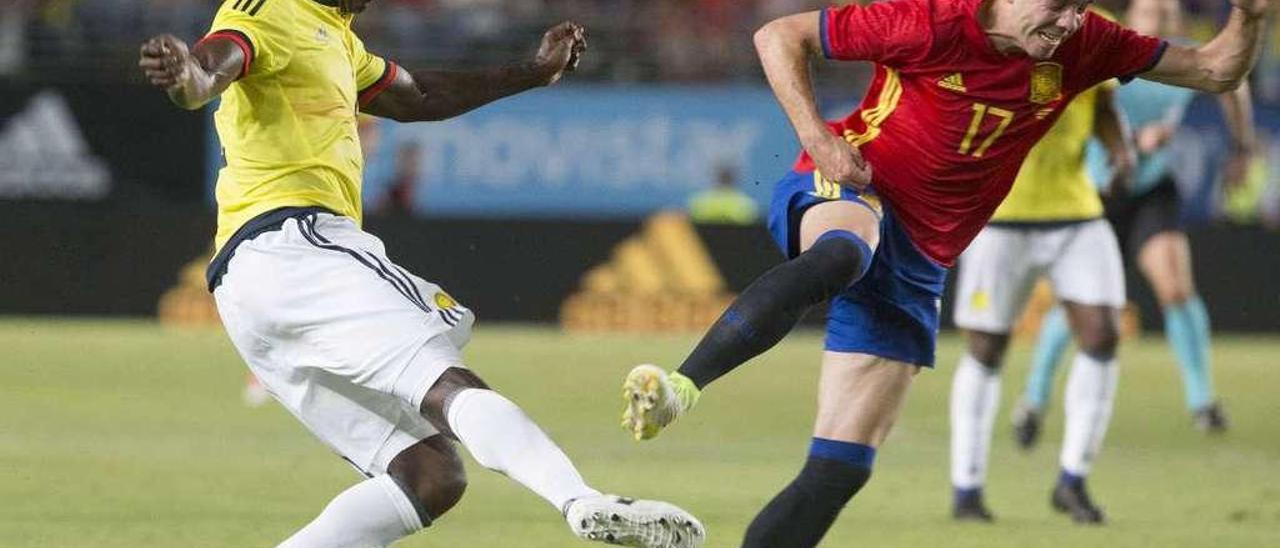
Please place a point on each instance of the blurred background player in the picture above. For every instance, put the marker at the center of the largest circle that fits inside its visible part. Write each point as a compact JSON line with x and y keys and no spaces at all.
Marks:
{"x":1049,"y":225}
{"x":962,"y":92}
{"x":724,"y":202}
{"x":363,"y":353}
{"x":1147,"y":220}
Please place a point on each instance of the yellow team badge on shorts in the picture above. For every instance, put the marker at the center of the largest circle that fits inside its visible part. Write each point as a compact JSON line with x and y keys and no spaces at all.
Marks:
{"x":443,"y":300}
{"x":1046,"y":82}
{"x":980,"y":300}
{"x":825,"y":188}
{"x":830,"y":190}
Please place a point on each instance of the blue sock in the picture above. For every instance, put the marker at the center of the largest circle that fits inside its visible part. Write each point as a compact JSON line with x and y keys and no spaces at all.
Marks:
{"x":1067,"y":478}
{"x":848,"y":452}
{"x":1055,"y":335}
{"x":961,"y":495}
{"x":1186,"y":325}
{"x":1200,"y":323}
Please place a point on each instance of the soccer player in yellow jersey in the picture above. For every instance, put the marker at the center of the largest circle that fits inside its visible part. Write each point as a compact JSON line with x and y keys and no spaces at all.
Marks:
{"x":364,"y":353}
{"x":1049,"y":225}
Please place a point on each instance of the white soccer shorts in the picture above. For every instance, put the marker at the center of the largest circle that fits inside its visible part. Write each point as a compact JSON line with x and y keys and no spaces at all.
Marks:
{"x":1000,"y":267}
{"x":344,"y":338}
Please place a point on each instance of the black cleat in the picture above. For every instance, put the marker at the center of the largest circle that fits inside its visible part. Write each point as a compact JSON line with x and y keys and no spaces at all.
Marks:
{"x":1026,"y":425}
{"x":969,"y":506}
{"x":1210,"y":419}
{"x":1074,"y":499}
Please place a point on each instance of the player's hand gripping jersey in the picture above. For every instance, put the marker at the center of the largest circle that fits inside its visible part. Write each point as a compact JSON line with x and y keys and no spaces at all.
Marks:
{"x":288,"y":125}
{"x":948,"y":119}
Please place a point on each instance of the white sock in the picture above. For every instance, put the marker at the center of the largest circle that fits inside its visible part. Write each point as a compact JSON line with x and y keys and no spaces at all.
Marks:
{"x":374,"y":512}
{"x":1091,"y":393}
{"x":975,"y":397}
{"x":503,"y":439}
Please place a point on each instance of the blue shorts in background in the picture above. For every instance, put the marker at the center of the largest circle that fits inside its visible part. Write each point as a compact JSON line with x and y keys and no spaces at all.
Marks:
{"x":892,"y":312}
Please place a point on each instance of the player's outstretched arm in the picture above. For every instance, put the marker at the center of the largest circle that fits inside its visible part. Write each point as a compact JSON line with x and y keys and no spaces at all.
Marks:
{"x":785,"y":46}
{"x":1112,"y":130}
{"x":1237,"y":110}
{"x":192,"y":78}
{"x":1221,"y":64}
{"x":429,"y":95}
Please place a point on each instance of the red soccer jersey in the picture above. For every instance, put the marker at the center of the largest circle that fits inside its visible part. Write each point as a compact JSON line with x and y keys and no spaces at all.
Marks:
{"x":948,"y":120}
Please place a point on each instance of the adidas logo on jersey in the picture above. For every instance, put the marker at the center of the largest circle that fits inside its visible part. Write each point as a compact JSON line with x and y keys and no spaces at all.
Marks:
{"x":44,"y":155}
{"x":953,"y":82}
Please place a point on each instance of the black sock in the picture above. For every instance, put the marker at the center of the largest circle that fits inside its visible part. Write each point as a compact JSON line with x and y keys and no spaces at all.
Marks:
{"x":801,"y":514}
{"x":772,"y":305}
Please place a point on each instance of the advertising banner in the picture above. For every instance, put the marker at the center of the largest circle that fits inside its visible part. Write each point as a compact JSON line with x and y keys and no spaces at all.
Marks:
{"x":580,"y":152}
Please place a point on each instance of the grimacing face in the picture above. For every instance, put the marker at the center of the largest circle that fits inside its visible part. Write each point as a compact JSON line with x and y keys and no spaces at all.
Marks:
{"x":1042,"y":25}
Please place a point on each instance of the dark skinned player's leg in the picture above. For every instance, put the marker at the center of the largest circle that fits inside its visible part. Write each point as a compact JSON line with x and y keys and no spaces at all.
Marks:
{"x":1088,"y":401}
{"x":975,"y":399}
{"x":503,"y":439}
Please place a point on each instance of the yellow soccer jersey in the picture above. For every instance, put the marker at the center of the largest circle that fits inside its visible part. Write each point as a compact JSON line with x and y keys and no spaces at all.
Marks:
{"x":1053,"y":184}
{"x":288,"y":125}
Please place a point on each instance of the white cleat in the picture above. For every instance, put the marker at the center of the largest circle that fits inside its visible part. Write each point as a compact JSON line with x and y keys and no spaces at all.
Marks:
{"x":629,"y":522}
{"x":652,"y":401}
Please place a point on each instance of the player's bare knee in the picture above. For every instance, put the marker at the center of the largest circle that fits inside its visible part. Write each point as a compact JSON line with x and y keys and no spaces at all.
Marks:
{"x":435,"y":404}
{"x":1099,"y":339}
{"x":1173,"y":294}
{"x":432,"y":476}
{"x":988,"y":348}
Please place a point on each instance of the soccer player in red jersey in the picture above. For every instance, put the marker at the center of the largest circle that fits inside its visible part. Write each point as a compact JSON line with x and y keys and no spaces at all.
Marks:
{"x":963,"y":90}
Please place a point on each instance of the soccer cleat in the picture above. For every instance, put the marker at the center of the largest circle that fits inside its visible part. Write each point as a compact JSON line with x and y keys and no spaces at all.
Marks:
{"x":969,"y":506}
{"x":1026,"y":425}
{"x":629,"y":522}
{"x":1073,"y":499}
{"x":654,"y":399}
{"x":1210,"y":419}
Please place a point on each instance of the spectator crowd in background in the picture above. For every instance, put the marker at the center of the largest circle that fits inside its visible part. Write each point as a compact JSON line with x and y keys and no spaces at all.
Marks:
{"x":95,"y":42}
{"x":632,"y":40}
{"x":688,"y":41}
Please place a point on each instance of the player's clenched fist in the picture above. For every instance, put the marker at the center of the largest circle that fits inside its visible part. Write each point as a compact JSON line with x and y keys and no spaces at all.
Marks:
{"x":562,"y":46}
{"x":165,"y":60}
{"x":839,"y":162}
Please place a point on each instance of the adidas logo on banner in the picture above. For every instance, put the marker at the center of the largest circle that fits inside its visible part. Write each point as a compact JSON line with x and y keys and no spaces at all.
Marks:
{"x":662,"y":279}
{"x":43,"y":155}
{"x":953,"y":82}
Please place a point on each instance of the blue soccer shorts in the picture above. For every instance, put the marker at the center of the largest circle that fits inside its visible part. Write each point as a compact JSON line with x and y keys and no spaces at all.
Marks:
{"x":892,"y":312}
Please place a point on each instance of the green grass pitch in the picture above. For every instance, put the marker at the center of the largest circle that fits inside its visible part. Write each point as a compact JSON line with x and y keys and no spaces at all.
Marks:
{"x":129,"y":434}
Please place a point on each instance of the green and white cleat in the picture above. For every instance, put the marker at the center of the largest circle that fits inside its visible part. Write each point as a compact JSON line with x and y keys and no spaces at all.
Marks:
{"x":654,"y":399}
{"x":629,"y":522}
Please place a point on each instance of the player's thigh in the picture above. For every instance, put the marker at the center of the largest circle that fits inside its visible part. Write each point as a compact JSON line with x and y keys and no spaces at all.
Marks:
{"x":365,"y":427}
{"x":334,"y":301}
{"x":843,"y":215}
{"x":996,"y":274}
{"x":1088,"y":268}
{"x":1165,"y":260}
{"x":860,"y":396}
